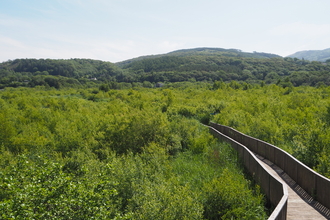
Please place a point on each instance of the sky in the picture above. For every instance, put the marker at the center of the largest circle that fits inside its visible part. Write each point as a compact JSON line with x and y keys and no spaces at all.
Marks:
{"x":117,"y":30}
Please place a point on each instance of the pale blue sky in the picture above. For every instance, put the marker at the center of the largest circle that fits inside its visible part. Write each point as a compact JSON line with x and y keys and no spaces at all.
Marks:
{"x":115,"y":30}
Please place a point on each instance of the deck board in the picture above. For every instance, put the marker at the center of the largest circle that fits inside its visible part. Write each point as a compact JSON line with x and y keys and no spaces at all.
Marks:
{"x":301,"y":206}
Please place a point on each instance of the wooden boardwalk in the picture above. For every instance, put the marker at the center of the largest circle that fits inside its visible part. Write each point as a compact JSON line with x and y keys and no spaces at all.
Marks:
{"x":300,"y":205}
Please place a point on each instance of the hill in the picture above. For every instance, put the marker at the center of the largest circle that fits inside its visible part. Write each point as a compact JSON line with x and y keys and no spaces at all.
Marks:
{"x":34,"y":72}
{"x":313,"y":55}
{"x":209,"y":64}
{"x":203,"y":51}
{"x":200,"y":64}
{"x":221,"y":52}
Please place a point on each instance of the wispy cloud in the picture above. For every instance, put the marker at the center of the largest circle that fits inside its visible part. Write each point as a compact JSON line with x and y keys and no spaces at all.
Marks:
{"x":11,"y":42}
{"x":115,"y":30}
{"x":13,"y":22}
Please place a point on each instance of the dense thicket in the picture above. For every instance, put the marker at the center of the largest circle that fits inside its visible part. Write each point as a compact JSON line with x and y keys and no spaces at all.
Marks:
{"x":120,"y":154}
{"x":203,"y":64}
{"x":141,"y":153}
{"x":295,"y":119}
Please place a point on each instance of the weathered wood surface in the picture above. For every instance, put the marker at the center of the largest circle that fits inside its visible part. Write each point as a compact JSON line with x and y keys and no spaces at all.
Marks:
{"x":300,"y":205}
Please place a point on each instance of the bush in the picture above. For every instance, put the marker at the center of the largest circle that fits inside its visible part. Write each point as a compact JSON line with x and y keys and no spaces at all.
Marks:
{"x":228,"y":197}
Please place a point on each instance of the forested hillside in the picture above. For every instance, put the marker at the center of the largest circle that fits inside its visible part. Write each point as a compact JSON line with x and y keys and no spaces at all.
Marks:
{"x":210,"y":68}
{"x":202,"y":64}
{"x":204,"y":51}
{"x":56,"y":73}
{"x":313,"y":55}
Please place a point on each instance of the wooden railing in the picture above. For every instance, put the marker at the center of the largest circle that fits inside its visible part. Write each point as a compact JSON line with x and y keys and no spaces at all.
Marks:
{"x":312,"y":182}
{"x":275,"y":192}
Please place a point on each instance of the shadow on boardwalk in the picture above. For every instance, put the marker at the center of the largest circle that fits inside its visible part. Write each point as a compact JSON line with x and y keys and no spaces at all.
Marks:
{"x":325,"y":212}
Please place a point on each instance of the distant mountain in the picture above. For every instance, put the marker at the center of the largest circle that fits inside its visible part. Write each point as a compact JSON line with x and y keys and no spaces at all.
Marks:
{"x":313,"y":55}
{"x":203,"y":51}
{"x":199,"y":64}
{"x":220,"y":51}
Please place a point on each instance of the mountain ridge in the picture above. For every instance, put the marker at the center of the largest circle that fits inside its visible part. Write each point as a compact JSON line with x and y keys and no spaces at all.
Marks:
{"x":198,"y":64}
{"x":312,"y":55}
{"x":203,"y":51}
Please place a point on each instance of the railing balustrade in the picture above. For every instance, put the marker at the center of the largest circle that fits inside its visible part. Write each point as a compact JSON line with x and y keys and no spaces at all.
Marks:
{"x":312,"y":182}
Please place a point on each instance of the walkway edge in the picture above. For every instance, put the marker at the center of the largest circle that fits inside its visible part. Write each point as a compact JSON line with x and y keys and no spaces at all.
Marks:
{"x":312,"y":182}
{"x":275,"y":191}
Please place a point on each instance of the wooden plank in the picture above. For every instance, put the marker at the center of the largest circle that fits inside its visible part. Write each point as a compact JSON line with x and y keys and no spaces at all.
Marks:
{"x":300,"y":204}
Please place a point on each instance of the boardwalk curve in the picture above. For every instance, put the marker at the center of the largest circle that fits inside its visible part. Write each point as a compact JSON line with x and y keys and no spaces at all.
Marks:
{"x":291,"y":201}
{"x":300,"y":205}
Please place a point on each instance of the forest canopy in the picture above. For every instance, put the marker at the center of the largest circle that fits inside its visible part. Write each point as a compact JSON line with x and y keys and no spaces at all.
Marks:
{"x":201,"y":64}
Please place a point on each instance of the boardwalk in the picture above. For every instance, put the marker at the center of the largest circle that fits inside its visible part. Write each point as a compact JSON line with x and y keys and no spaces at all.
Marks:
{"x":300,"y":205}
{"x":295,"y":203}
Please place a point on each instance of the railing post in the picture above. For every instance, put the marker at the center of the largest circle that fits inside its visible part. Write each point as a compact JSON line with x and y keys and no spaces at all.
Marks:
{"x":313,"y":183}
{"x":273,"y":189}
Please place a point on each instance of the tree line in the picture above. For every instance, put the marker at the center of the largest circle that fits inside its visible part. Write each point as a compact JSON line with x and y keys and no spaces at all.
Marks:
{"x":177,"y":67}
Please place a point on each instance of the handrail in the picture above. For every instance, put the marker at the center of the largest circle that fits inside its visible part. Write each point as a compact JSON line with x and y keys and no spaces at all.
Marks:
{"x":312,"y":182}
{"x":275,"y":191}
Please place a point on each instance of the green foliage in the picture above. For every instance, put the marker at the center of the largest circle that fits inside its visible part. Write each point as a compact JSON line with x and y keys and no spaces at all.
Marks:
{"x":114,"y":154}
{"x":196,"y":65}
{"x":295,"y":119}
{"x":141,"y":153}
{"x":38,"y":188}
{"x":221,"y":200}
{"x":207,"y":64}
{"x":134,"y":132}
{"x":313,"y":55}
